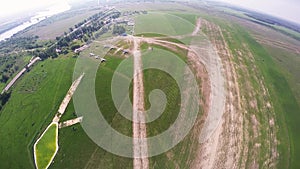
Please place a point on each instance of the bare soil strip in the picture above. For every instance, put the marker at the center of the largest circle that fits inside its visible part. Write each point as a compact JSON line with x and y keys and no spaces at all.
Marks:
{"x":67,"y":99}
{"x":229,"y":146}
{"x":70,"y":122}
{"x":197,"y":28}
{"x":140,"y":147}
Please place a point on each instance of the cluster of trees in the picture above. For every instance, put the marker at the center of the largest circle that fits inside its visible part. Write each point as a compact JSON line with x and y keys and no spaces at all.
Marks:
{"x":86,"y":32}
{"x":4,"y":98}
{"x":4,"y":78}
{"x":44,"y":54}
{"x":118,"y":30}
{"x":115,"y":15}
{"x":8,"y":66}
{"x":19,"y":43}
{"x":79,"y":24}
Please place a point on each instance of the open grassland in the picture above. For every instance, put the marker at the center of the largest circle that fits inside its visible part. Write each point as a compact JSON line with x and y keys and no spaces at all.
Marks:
{"x":30,"y":110}
{"x":46,"y":147}
{"x":182,"y":154}
{"x":162,"y":23}
{"x":74,"y":142}
{"x":158,"y":79}
{"x":191,"y":17}
{"x":104,"y":96}
{"x":109,"y":111}
{"x":283,"y":99}
{"x":289,"y":63}
{"x":167,"y":84}
{"x":37,"y":95}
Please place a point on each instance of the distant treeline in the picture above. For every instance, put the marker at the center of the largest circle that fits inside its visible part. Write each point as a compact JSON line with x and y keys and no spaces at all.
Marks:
{"x":274,"y":21}
{"x":9,"y":26}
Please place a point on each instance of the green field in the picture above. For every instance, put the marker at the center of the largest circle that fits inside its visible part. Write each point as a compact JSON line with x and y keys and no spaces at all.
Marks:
{"x":191,"y":17}
{"x":162,"y":23}
{"x":46,"y":147}
{"x":109,"y":111}
{"x":104,"y":96}
{"x":179,"y":155}
{"x":31,"y":109}
{"x":285,"y":104}
{"x":36,"y":96}
{"x":167,"y":84}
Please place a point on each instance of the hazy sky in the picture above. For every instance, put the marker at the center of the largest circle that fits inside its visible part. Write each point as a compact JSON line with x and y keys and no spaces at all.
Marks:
{"x":286,"y":9}
{"x":9,"y":7}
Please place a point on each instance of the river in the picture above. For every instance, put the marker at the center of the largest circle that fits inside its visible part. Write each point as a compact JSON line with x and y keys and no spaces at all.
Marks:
{"x":55,"y":9}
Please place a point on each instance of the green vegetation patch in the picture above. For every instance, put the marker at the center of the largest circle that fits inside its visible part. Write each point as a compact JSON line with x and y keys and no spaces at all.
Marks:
{"x":284,"y":101}
{"x":158,"y":79}
{"x":191,"y":17}
{"x":162,"y":23}
{"x":106,"y":105}
{"x":27,"y":114}
{"x":46,"y":147}
{"x":155,"y":79}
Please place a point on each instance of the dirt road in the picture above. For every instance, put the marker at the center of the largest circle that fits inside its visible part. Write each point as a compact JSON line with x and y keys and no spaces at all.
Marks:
{"x":70,"y":122}
{"x":215,"y":96}
{"x":197,"y":28}
{"x":67,"y":99}
{"x":140,"y":147}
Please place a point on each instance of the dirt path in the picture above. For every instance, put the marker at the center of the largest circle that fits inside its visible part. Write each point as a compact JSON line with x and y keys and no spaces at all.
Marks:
{"x":70,"y":122}
{"x":140,"y":147}
{"x":197,"y":28}
{"x":215,"y":97}
{"x":67,"y":99}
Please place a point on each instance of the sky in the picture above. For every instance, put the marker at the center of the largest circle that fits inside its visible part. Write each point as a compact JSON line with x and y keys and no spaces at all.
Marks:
{"x":286,"y":9}
{"x":9,"y":7}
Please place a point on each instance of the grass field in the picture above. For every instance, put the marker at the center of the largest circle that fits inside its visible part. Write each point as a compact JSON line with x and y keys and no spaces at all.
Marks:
{"x":165,"y":24}
{"x":46,"y":147}
{"x":27,"y":114}
{"x":177,"y":157}
{"x":167,"y":84}
{"x":285,"y":104}
{"x":109,"y":111}
{"x":289,"y":63}
{"x":89,"y":155}
{"x":74,"y":142}
{"x":38,"y":94}
{"x":104,"y":96}
{"x":191,"y":17}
